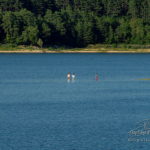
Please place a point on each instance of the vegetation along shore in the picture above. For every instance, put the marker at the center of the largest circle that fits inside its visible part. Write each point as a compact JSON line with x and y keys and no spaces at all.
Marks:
{"x":75,"y":23}
{"x":99,"y":48}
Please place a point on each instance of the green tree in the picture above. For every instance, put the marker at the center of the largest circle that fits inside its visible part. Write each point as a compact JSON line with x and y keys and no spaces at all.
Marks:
{"x":123,"y":31}
{"x":56,"y":25}
{"x":134,"y":8}
{"x":145,"y":10}
{"x":84,"y":30}
{"x":40,"y":43}
{"x":69,"y":17}
{"x":10,"y":5}
{"x":2,"y":35}
{"x":147,"y":34}
{"x":113,"y":8}
{"x":137,"y":31}
{"x":74,"y":22}
{"x":30,"y":35}
{"x":11,"y":26}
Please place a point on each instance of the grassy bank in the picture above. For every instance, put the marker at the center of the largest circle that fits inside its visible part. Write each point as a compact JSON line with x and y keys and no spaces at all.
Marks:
{"x":98,"y":48}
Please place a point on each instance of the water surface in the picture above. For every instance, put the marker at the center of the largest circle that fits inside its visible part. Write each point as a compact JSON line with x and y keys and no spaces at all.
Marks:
{"x":40,"y":110}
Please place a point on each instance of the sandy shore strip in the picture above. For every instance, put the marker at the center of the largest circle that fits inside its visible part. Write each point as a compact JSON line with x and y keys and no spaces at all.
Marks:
{"x":77,"y":51}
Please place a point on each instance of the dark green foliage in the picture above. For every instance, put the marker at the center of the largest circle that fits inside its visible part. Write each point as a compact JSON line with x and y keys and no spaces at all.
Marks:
{"x":75,"y":23}
{"x":84,"y":29}
{"x":1,"y":29}
{"x":20,"y":27}
{"x":10,"y":5}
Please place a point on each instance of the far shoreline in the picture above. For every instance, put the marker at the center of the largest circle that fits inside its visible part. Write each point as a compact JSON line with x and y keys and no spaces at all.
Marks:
{"x":97,"y":48}
{"x":74,"y":51}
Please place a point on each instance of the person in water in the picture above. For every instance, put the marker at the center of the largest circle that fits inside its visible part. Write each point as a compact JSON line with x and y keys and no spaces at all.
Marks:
{"x":97,"y":77}
{"x":68,"y":76}
{"x":73,"y":76}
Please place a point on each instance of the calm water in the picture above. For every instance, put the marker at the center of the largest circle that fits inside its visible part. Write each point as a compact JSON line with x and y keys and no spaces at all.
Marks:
{"x":40,"y":110}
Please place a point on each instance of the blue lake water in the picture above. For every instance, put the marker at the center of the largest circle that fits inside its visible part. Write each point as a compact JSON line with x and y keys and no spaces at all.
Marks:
{"x":40,"y":110}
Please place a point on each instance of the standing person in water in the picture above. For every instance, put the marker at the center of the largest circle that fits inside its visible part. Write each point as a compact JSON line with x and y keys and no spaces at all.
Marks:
{"x":97,"y":77}
{"x":73,"y":76}
{"x":68,"y":76}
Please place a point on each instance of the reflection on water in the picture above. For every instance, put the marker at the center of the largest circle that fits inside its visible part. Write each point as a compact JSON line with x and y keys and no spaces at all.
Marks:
{"x":39,"y":110}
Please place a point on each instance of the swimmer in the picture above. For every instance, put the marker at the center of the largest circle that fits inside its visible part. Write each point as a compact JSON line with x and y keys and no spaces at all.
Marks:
{"x":68,"y":76}
{"x":73,"y":76}
{"x":97,"y":77}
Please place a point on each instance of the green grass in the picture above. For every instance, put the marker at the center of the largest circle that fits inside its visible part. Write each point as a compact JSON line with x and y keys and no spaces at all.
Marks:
{"x":104,"y":48}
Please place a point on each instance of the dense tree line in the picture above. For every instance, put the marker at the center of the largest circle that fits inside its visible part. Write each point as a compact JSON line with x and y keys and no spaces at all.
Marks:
{"x":74,"y":22}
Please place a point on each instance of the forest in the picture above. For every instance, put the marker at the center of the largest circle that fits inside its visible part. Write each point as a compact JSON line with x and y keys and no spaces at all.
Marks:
{"x":74,"y":23}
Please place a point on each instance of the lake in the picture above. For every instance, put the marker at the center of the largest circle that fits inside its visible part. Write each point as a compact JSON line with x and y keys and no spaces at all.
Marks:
{"x":40,"y":110}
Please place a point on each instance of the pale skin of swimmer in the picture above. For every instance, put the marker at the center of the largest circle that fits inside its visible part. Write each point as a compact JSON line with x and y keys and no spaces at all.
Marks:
{"x":68,"y":76}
